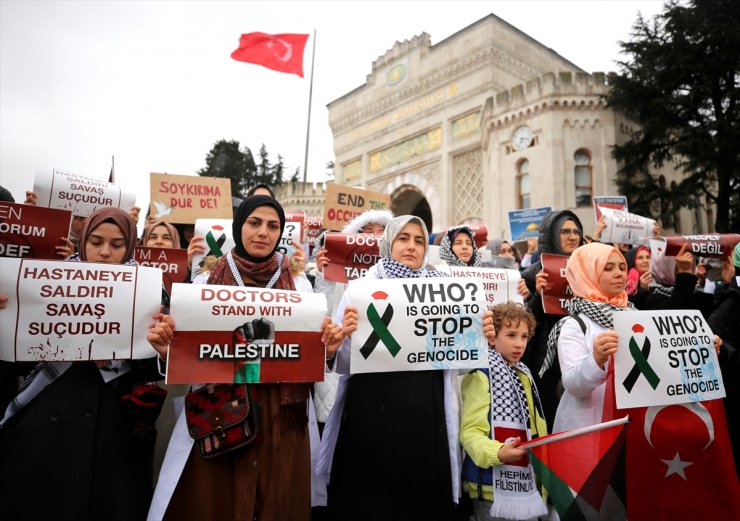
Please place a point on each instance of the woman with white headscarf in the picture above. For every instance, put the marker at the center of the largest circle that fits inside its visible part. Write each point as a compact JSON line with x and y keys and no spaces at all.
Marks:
{"x":390,"y":446}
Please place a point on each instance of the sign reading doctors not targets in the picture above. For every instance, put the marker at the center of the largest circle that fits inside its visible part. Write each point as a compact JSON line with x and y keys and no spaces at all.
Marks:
{"x":418,"y":325}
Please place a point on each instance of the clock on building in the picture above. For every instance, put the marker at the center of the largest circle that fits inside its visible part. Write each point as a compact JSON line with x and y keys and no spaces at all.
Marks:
{"x":521,"y":138}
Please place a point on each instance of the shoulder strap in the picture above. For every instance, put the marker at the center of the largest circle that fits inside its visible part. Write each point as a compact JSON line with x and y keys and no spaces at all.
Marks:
{"x":580,"y":321}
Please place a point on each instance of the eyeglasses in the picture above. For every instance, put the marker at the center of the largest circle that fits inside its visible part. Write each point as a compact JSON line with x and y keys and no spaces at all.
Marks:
{"x":570,"y":231}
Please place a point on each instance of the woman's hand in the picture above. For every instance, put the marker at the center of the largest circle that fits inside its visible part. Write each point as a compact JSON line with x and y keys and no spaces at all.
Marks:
{"x":322,"y":259}
{"x":598,"y":229}
{"x":510,"y":452}
{"x":522,"y":289}
{"x":685,"y":260}
{"x":717,"y":343}
{"x":489,"y":331}
{"x":161,"y":333}
{"x":645,"y":280}
{"x":349,"y":321}
{"x":196,"y":246}
{"x":728,"y":270}
{"x":540,"y":281}
{"x":332,"y":336}
{"x":605,"y":345}
{"x":134,"y":213}
{"x":30,"y":198}
{"x":3,"y":301}
{"x":66,"y":249}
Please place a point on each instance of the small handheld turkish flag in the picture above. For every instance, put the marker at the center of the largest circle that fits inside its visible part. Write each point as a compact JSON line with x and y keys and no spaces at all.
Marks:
{"x":279,"y":52}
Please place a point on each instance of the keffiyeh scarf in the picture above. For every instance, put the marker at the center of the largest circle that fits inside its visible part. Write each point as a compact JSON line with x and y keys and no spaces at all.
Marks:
{"x":391,"y":269}
{"x":520,"y":499}
{"x":600,"y":312}
{"x":450,"y":258}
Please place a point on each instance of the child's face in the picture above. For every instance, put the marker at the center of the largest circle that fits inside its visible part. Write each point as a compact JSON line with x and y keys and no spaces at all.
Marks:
{"x":511,"y":341}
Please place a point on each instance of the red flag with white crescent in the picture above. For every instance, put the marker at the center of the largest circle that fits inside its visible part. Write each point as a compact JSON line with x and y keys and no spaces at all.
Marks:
{"x":279,"y":52}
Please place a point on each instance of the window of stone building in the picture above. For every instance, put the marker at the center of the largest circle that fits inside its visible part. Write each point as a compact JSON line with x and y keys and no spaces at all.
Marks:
{"x":584,"y":190}
{"x":524,"y":184}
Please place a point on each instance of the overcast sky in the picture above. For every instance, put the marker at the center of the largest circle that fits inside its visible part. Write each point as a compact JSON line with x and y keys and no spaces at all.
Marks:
{"x":153,"y":82}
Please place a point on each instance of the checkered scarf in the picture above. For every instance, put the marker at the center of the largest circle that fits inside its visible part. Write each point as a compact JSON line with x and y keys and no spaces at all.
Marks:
{"x":391,"y":269}
{"x":447,"y":255}
{"x":600,"y":312}
{"x":509,"y":410}
{"x":42,"y":375}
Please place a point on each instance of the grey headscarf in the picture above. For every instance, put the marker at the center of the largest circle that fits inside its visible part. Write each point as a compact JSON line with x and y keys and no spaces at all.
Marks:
{"x":390,"y":268}
{"x":449,"y":256}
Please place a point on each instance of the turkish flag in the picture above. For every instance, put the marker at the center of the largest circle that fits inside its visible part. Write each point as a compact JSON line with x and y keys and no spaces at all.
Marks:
{"x":679,"y":463}
{"x":279,"y":52}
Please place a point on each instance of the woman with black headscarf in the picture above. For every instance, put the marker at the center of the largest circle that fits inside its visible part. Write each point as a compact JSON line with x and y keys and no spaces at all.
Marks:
{"x":270,"y":478}
{"x":71,"y":446}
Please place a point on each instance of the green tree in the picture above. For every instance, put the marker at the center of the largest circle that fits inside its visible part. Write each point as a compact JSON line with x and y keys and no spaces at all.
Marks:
{"x":227,"y":160}
{"x":680,"y":84}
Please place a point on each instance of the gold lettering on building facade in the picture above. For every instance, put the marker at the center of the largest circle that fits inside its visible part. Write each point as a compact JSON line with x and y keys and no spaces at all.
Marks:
{"x":352,"y":170}
{"x":427,"y":101}
{"x":466,"y":125}
{"x":420,"y":144}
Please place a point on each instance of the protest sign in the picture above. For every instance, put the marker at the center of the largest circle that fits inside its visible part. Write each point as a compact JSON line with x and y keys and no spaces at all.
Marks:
{"x":525,"y":224}
{"x":218,"y":241}
{"x":501,"y":286}
{"x":76,"y":310}
{"x":78,"y":194}
{"x":718,"y":245}
{"x":314,"y":228}
{"x":292,"y":233}
{"x":615,"y":202}
{"x":557,"y":292}
{"x":185,"y":198}
{"x":665,"y":357}
{"x":627,"y":228}
{"x":418,"y":325}
{"x":232,"y":334}
{"x":350,"y":255}
{"x":344,"y":204}
{"x":32,"y":232}
{"x":172,"y":261}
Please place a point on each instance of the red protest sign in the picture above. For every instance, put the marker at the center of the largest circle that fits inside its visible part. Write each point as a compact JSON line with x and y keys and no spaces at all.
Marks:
{"x":557,"y":291}
{"x":615,"y":202}
{"x":314,"y":228}
{"x":718,"y":245}
{"x":32,"y":232}
{"x":350,"y":255}
{"x":231,"y":334}
{"x":172,"y":261}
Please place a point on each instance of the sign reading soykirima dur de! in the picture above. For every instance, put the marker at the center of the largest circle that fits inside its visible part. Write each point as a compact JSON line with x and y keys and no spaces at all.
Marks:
{"x":418,"y":325}
{"x":665,"y":358}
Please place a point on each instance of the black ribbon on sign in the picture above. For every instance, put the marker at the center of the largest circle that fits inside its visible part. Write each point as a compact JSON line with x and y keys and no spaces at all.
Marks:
{"x":380,"y":332}
{"x":641,"y":366}
{"x":215,"y":247}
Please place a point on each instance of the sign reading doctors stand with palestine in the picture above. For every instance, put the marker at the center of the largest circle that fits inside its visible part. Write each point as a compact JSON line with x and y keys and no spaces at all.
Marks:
{"x":665,"y":358}
{"x":418,"y":325}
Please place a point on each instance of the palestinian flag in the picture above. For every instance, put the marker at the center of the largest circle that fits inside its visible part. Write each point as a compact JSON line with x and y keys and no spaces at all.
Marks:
{"x":577,"y":463}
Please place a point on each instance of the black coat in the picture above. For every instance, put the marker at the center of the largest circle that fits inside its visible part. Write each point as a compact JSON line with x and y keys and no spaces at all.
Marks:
{"x":73,"y":451}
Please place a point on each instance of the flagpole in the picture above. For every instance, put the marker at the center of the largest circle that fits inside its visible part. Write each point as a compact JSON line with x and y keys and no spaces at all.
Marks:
{"x":559,"y":436}
{"x":310,"y":95}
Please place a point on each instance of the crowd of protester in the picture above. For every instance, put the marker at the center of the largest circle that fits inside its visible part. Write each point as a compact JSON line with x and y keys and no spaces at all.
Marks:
{"x":377,"y":446}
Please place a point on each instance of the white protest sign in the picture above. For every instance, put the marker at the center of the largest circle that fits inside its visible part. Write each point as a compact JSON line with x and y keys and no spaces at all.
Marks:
{"x":665,"y":358}
{"x":218,"y":241}
{"x":627,"y":228}
{"x":231,"y":334}
{"x":500,"y":285}
{"x":76,"y":310}
{"x":418,"y":324}
{"x":81,"y":195}
{"x":290,"y":237}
